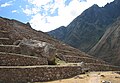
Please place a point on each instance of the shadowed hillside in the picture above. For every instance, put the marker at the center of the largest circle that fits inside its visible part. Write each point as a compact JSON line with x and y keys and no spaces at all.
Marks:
{"x":87,"y":29}
{"x":108,"y":48}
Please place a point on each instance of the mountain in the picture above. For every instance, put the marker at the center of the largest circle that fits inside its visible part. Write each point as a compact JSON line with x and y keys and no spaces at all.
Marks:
{"x":88,"y":28}
{"x":58,"y":33}
{"x":108,"y":48}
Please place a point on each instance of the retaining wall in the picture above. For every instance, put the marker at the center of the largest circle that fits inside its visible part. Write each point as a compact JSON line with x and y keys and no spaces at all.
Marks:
{"x":4,"y":34}
{"x":10,"y":49}
{"x":24,"y":74}
{"x":6,"y":41}
{"x":102,"y":67}
{"x":20,"y":60}
{"x":36,"y":74}
{"x":77,"y":59}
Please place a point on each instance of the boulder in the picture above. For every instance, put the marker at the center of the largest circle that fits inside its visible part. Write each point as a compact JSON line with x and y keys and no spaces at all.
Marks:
{"x":84,"y":67}
{"x":37,"y":48}
{"x":106,"y":81}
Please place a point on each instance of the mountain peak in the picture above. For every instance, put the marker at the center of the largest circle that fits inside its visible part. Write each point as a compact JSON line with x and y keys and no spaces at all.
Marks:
{"x":95,"y":6}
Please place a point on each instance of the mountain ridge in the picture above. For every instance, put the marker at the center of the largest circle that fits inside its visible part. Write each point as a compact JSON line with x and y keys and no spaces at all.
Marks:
{"x":87,"y":29}
{"x":96,"y":32}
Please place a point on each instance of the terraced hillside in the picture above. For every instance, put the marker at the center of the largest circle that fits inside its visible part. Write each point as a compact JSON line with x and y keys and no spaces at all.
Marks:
{"x":18,"y":67}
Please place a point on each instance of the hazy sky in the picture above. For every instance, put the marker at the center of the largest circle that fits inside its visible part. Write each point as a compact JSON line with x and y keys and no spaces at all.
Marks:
{"x":46,"y":15}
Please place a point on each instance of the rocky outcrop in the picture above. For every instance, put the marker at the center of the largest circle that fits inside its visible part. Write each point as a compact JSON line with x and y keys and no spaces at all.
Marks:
{"x":37,"y":48}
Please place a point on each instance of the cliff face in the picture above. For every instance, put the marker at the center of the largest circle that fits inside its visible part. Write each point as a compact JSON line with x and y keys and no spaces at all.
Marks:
{"x":87,"y":29}
{"x":108,"y":48}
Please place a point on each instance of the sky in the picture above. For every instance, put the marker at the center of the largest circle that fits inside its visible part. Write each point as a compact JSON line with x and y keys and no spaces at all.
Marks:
{"x":46,"y":15}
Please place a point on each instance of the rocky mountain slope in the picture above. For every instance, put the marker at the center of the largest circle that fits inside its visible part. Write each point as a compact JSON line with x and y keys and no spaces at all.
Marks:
{"x":87,"y":29}
{"x":59,"y":33}
{"x":108,"y":48}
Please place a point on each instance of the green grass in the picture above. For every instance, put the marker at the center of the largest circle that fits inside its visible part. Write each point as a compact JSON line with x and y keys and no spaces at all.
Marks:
{"x":58,"y":61}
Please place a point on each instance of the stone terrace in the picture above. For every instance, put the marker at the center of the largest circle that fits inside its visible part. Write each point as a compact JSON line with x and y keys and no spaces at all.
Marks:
{"x":78,"y":59}
{"x":24,"y":74}
{"x":18,"y":68}
{"x":10,"y":55}
{"x":11,"y":59}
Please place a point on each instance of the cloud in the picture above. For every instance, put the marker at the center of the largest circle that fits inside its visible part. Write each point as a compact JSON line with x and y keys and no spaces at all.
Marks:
{"x":30,"y":11}
{"x":39,"y":3}
{"x":65,"y":14}
{"x":38,"y":22}
{"x":6,"y":4}
{"x":83,"y":0}
{"x":15,"y":11}
{"x":50,"y":14}
{"x":99,"y":2}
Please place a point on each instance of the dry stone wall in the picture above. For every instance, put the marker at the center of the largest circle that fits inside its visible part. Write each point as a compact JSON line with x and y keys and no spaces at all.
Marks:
{"x":102,"y":67}
{"x":10,"y":49}
{"x":78,"y":59}
{"x":4,"y":34}
{"x":36,"y":74}
{"x":24,"y":74}
{"x":10,"y":59}
{"x":5,"y":41}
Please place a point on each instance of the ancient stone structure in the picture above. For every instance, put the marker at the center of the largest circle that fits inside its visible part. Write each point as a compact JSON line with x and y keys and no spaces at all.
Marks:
{"x":26,"y":55}
{"x":11,"y":59}
{"x":36,"y":73}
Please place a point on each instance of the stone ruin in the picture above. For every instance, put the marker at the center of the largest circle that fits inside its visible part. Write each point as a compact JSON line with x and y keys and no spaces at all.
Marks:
{"x":37,"y":48}
{"x":18,"y":64}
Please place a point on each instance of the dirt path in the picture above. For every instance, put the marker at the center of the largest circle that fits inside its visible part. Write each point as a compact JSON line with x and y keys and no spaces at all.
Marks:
{"x":94,"y":78}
